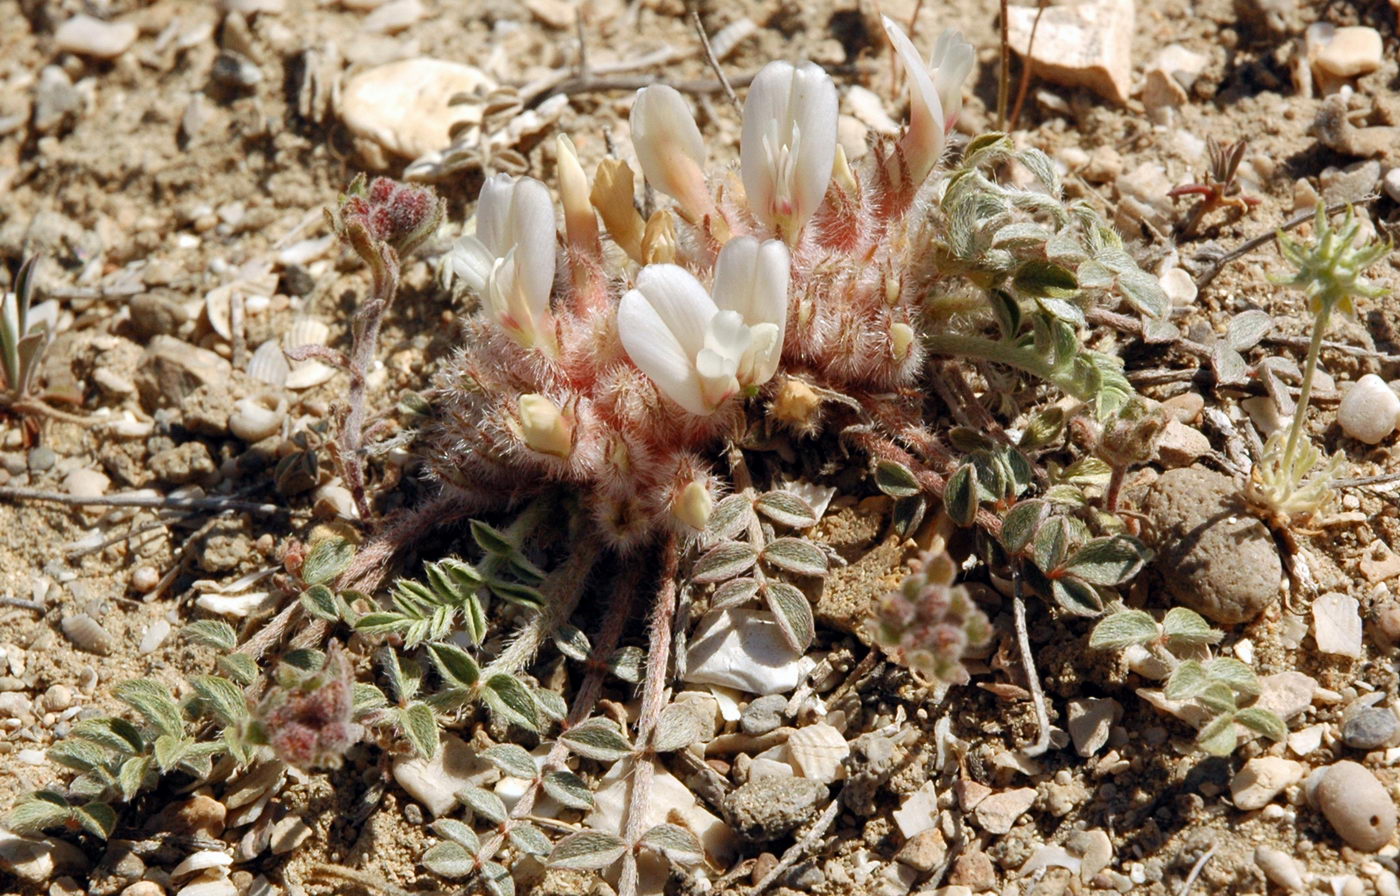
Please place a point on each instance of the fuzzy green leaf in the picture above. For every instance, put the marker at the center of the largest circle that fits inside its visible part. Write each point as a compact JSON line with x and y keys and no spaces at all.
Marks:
{"x":626,"y":663}
{"x":677,"y":728}
{"x":733,"y":593}
{"x":1262,"y":721}
{"x":98,"y":819}
{"x":587,"y":851}
{"x":458,"y":832}
{"x":155,"y":704}
{"x":1236,"y":675}
{"x":529,"y":839}
{"x":454,"y":664}
{"x":1187,"y":627}
{"x":131,"y":777}
{"x":793,"y":613}
{"x":497,"y":879}
{"x":1077,"y":597}
{"x":572,"y":643}
{"x":1218,"y":737}
{"x":1122,"y":629}
{"x":508,"y":697}
{"x":224,"y":698}
{"x":79,"y":755}
{"x":319,"y":601}
{"x":421,"y":728}
{"x":568,"y":789}
{"x":724,"y":561}
{"x":213,"y":633}
{"x":484,"y":804}
{"x":516,"y":593}
{"x":512,"y":759}
{"x":796,"y":556}
{"x":327,"y":560}
{"x":597,"y":738}
{"x":1019,"y":524}
{"x":240,"y":667}
{"x":1108,"y":561}
{"x":675,"y":843}
{"x":787,"y":509}
{"x":896,"y":480}
{"x":730,"y":517}
{"x":960,"y":495}
{"x":450,"y":860}
{"x":1051,"y":543}
{"x":1188,"y":680}
{"x":491,"y":540}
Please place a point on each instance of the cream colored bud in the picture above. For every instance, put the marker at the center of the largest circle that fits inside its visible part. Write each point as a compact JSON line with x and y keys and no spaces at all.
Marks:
{"x":580,"y":227}
{"x":545,"y":427}
{"x":659,"y":241}
{"x":892,"y":288}
{"x":902,"y":335}
{"x":796,"y":402}
{"x":693,"y":505}
{"x":842,"y":175}
{"x":612,"y":197}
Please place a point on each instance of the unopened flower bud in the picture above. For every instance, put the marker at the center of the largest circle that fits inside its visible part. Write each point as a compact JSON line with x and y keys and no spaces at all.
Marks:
{"x":612,"y":197}
{"x":902,"y":337}
{"x":544,"y":426}
{"x":796,"y":403}
{"x":670,"y":149}
{"x":580,"y":227}
{"x":659,"y":241}
{"x":693,"y":505}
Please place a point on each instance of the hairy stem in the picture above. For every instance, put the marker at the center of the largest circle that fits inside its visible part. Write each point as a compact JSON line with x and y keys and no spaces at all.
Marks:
{"x":653,"y":701}
{"x":366,"y":340}
{"x":1023,"y":640}
{"x":564,"y":588}
{"x":1001,"y":352}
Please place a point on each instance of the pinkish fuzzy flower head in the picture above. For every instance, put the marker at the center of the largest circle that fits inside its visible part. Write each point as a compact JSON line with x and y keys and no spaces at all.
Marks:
{"x":929,"y":622}
{"x":400,"y":215}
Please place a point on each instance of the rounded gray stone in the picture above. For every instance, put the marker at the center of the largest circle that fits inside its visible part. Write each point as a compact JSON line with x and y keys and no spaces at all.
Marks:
{"x":1212,"y":555}
{"x":1370,"y":729}
{"x":764,"y":714}
{"x":1357,"y":805}
{"x":768,"y":808}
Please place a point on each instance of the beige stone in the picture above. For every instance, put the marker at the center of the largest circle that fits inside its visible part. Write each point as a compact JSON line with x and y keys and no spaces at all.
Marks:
{"x":1084,"y":45}
{"x":404,"y":106}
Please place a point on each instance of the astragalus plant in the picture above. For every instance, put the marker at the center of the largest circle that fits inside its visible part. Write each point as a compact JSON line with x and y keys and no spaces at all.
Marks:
{"x":636,"y":391}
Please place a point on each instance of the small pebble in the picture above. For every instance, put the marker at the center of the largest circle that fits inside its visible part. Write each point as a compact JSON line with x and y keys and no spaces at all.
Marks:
{"x":85,"y":483}
{"x":1261,"y":779}
{"x":1391,"y":182}
{"x":1369,"y":411}
{"x":94,"y":37}
{"x":144,"y":578}
{"x":1279,"y":868}
{"x":232,"y":69}
{"x":1370,"y":729}
{"x":58,"y":698}
{"x":41,"y":458}
{"x":1337,"y":625}
{"x":763,"y":714}
{"x":1350,"y":51}
{"x":1357,"y":805}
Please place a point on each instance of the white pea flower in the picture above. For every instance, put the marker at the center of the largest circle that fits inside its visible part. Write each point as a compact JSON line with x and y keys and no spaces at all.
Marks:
{"x":509,"y":261}
{"x":670,"y":149}
{"x":935,"y":94}
{"x":701,"y":351}
{"x":788,"y":144}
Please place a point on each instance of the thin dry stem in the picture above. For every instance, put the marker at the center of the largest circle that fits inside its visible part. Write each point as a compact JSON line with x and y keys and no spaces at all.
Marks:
{"x":1023,"y":641}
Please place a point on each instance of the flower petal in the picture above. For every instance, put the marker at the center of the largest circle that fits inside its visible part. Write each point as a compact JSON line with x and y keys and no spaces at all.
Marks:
{"x":472,"y":261}
{"x":751,"y":277}
{"x":788,"y":143}
{"x":680,"y":301}
{"x":951,"y":64}
{"x":923,"y":143}
{"x":669,"y":146}
{"x":654,"y":348}
{"x":814,"y":111}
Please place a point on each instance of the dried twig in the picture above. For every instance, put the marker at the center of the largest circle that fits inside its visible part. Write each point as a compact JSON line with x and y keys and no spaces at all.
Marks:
{"x":21,"y":603}
{"x":1249,"y":245}
{"x":1195,"y":871}
{"x":1027,"y":68}
{"x":1023,"y":640}
{"x":164,"y":502}
{"x":714,"y":62}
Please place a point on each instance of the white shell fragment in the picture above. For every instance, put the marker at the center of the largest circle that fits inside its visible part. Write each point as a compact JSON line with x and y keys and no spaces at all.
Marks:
{"x":305,"y":374}
{"x":744,"y":649}
{"x":1370,"y":410}
{"x":269,"y":365}
{"x":817,"y":752}
{"x":403,"y":106}
{"x":94,"y":37}
{"x":1083,"y":45}
{"x":258,"y":417}
{"x":1337,"y":625}
{"x":201,"y":861}
{"x":87,"y":633}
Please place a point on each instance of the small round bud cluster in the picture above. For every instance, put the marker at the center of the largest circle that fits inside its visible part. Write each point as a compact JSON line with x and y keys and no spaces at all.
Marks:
{"x":928,"y":623}
{"x":307,"y":717}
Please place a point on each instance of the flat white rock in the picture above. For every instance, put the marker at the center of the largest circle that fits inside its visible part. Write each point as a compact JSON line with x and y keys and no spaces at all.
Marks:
{"x":1083,"y":45}
{"x":1337,"y":625}
{"x":1286,"y":693}
{"x":1370,"y":410}
{"x":744,"y":649}
{"x":433,"y":782}
{"x":403,"y":106}
{"x":1345,"y":52}
{"x":93,"y":37}
{"x":1261,"y":779}
{"x":1089,"y":722}
{"x":997,"y":814}
{"x":918,"y":812}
